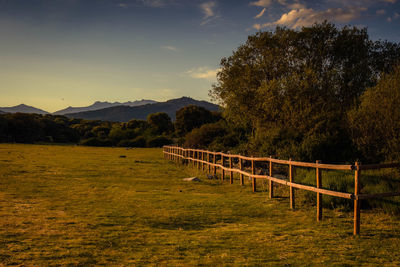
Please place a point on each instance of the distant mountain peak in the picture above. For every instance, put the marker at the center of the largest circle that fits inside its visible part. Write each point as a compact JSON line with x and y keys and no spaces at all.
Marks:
{"x":125,"y":113}
{"x":22,"y":108}
{"x":97,"y":105}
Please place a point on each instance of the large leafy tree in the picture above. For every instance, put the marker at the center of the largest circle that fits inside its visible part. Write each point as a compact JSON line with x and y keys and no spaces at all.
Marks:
{"x":375,"y":123}
{"x":190,"y":117}
{"x":160,"y":123}
{"x":291,"y":89}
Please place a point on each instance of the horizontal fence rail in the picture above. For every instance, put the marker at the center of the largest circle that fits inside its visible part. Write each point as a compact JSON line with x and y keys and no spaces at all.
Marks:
{"x":208,"y":160}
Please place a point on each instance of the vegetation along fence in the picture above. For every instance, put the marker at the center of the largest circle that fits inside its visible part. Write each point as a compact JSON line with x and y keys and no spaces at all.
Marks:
{"x":215,"y":162}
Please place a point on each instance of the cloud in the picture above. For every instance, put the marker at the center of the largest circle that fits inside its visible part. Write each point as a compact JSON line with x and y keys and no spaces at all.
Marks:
{"x":380,"y":12}
{"x":261,"y":3}
{"x":154,"y":3}
{"x":170,"y":48}
{"x":307,"y":16}
{"x":394,"y":17}
{"x":207,"y":9}
{"x":123,"y":5}
{"x":260,"y":14}
{"x":296,"y":6}
{"x":203,"y":73}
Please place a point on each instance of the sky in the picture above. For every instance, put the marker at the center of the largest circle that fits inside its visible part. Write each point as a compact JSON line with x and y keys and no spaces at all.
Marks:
{"x":59,"y":53}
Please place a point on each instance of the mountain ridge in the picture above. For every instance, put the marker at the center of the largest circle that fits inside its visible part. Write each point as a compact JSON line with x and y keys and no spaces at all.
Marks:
{"x":23,"y":109}
{"x":101,"y":105}
{"x":126,"y":113}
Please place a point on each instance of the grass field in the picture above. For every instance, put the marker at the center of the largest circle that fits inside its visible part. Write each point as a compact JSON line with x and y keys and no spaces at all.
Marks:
{"x":67,"y":205}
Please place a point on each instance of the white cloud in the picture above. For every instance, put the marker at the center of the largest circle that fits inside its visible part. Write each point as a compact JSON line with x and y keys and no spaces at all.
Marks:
{"x":394,"y":17}
{"x":170,"y":48}
{"x":203,"y":73}
{"x":123,"y":5}
{"x":261,"y":3}
{"x":207,"y":9}
{"x":260,"y":14}
{"x":154,"y":3}
{"x":296,"y":6}
{"x":380,"y":12}
{"x":307,"y":16}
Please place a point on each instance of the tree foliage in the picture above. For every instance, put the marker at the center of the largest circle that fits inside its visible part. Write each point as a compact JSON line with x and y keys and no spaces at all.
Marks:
{"x":375,"y":123}
{"x":292,"y":89}
{"x":160,"y":123}
{"x":190,"y":117}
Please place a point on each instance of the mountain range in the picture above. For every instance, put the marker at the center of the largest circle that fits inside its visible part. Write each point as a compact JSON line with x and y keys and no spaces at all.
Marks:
{"x":126,"y":113}
{"x":23,"y":109}
{"x":100,"y":105}
{"x":117,"y":111}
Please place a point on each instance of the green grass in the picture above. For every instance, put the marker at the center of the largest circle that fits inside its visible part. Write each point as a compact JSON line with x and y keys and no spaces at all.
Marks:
{"x":71,"y":205}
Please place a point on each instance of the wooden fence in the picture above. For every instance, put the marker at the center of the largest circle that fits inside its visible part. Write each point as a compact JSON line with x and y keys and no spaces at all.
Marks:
{"x":208,"y":160}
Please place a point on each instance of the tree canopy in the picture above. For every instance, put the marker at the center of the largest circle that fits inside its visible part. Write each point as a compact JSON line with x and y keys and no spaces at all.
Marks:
{"x":190,"y":117}
{"x":292,"y":89}
{"x":375,"y":123}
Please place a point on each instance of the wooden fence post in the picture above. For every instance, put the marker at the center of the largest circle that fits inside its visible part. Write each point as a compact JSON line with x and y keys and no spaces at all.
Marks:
{"x":202,"y":158}
{"x":252,"y":178}
{"x":241,"y":168}
{"x":230,"y":166}
{"x":319,"y":195}
{"x":357,"y":203}
{"x":208,"y":160}
{"x":215,"y":162}
{"x":291,"y":189}
{"x":222,"y":170}
{"x":271,"y":183}
{"x":198,"y":158}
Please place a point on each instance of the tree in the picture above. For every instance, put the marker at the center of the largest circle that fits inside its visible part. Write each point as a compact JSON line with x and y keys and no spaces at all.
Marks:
{"x":292,"y":89}
{"x":375,"y":123}
{"x":160,"y":123}
{"x":190,"y":117}
{"x":136,"y":124}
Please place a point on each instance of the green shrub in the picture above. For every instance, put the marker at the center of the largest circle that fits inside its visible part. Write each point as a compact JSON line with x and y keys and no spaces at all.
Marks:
{"x":139,"y":141}
{"x":94,"y":141}
{"x":158,"y":141}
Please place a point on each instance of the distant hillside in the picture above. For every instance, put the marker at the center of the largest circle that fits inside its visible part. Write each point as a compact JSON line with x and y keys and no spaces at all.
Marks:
{"x":23,"y":109}
{"x":101,"y":105}
{"x":125,"y":113}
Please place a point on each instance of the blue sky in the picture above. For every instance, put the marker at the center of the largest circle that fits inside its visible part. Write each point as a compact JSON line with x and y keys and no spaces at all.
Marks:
{"x":59,"y":53}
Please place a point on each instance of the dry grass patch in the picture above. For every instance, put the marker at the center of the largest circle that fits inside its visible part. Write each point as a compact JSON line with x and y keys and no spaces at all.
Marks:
{"x":66,"y":205}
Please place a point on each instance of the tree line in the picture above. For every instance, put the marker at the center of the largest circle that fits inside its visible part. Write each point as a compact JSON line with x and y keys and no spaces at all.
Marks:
{"x":156,"y":131}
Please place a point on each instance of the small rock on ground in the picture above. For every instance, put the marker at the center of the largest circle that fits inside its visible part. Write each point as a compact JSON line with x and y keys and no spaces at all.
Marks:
{"x":192,"y":179}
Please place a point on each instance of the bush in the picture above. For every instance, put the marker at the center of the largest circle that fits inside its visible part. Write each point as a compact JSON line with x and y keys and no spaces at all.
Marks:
{"x":191,"y":117}
{"x":205,"y":135}
{"x":139,"y":141}
{"x":375,"y":124}
{"x":158,"y":141}
{"x":160,"y":123}
{"x":94,"y":141}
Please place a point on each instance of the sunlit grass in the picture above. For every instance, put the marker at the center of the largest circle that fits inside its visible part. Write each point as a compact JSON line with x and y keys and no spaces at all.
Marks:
{"x":63,"y":205}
